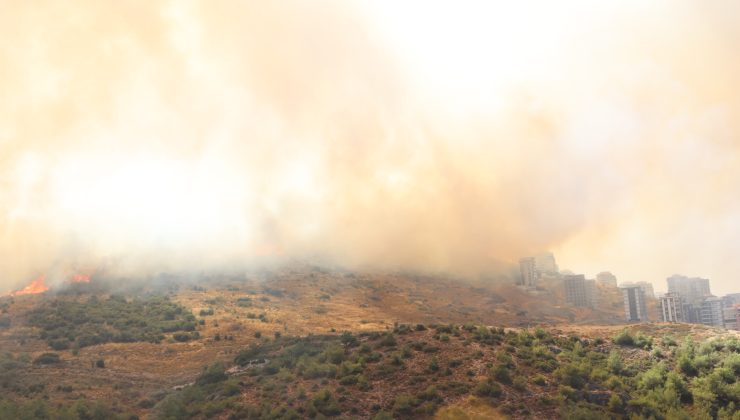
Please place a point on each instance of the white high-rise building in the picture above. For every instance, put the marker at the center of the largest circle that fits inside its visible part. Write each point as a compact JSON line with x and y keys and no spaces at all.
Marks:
{"x":578,"y":290}
{"x":711,"y":312}
{"x":635,"y":309}
{"x":671,"y":308}
{"x":545,"y":263}
{"x":692,"y":289}
{"x":647,"y":287}
{"x":732,"y":317}
{"x":607,"y":278}
{"x":528,"y":270}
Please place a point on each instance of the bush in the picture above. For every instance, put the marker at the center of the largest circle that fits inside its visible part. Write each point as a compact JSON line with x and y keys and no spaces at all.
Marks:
{"x":325,"y":403}
{"x":539,"y":380}
{"x":115,"y":319}
{"x":47,"y":359}
{"x":520,"y":383}
{"x":675,"y":383}
{"x":212,"y":374}
{"x":573,"y":375}
{"x":614,"y":362}
{"x":615,"y":404}
{"x":624,"y":338}
{"x":505,"y":359}
{"x":61,"y":344}
{"x":643,"y":341}
{"x":433,"y":365}
{"x":388,"y":340}
{"x":100,"y":363}
{"x":652,"y":377}
{"x":348,"y":380}
{"x":501,"y":374}
{"x":404,"y":405}
{"x":487,"y":388}
{"x":348,"y":340}
{"x":686,"y":365}
{"x":244,"y":302}
{"x":430,"y":394}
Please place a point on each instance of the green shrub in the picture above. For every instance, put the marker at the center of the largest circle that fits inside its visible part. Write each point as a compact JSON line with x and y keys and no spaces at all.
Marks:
{"x":433,"y":365}
{"x":115,"y":319}
{"x":348,"y":380}
{"x":212,"y":374}
{"x":615,"y":404}
{"x":501,"y":374}
{"x":505,"y":359}
{"x":404,"y":405}
{"x":47,"y":359}
{"x":487,"y":388}
{"x":388,"y":340}
{"x":643,"y":341}
{"x":244,"y":302}
{"x":686,"y":365}
{"x":429,"y":394}
{"x":675,"y":383}
{"x":349,"y":340}
{"x":61,"y":344}
{"x":652,"y":377}
{"x":539,"y":380}
{"x":624,"y":338}
{"x":732,"y":362}
{"x":573,"y":375}
{"x":614,"y":362}
{"x":325,"y":403}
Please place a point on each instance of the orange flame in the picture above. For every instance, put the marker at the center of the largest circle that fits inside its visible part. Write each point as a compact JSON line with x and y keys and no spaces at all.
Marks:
{"x":36,"y":286}
{"x":81,"y":278}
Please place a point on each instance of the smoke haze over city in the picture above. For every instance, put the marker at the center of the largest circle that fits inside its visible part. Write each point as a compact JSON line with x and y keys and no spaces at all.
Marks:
{"x":157,"y":136}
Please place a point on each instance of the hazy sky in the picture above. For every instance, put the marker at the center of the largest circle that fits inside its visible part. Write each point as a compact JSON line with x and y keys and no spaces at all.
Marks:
{"x":455,"y":136}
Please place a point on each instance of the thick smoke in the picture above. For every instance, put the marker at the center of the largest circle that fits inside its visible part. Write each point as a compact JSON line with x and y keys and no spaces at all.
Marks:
{"x":155,"y":136}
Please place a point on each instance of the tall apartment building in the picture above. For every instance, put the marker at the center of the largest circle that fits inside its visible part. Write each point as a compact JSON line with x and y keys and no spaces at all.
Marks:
{"x":528,"y":270}
{"x":647,"y":288}
{"x":731,"y":300}
{"x":731,"y":315}
{"x":545,"y":263}
{"x":635,"y":309}
{"x":671,"y":308}
{"x":711,"y":312}
{"x":592,"y":293}
{"x":607,"y":278}
{"x":692,"y":289}
{"x":577,"y":291}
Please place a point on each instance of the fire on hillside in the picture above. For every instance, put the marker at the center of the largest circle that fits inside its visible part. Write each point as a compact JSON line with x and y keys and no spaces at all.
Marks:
{"x":38,"y":285}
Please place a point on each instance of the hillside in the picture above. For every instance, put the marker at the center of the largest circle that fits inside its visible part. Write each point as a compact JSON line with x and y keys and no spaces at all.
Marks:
{"x":331,"y":343}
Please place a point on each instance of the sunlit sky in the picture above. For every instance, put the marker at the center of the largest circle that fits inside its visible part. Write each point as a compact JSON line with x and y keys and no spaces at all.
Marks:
{"x":431,"y":135}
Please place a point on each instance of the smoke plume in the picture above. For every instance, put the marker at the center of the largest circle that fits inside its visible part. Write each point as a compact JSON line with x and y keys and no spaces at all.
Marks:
{"x":149,"y":136}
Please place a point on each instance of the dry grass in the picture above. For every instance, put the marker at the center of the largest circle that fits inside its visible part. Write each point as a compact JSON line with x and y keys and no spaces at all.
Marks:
{"x":297,"y":303}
